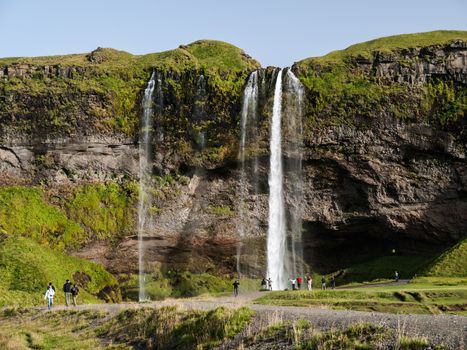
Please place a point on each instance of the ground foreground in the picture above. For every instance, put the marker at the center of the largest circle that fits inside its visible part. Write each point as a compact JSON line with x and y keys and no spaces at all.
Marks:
{"x":224,"y":323}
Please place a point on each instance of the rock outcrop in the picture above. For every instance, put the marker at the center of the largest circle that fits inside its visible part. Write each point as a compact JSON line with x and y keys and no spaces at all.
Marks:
{"x":381,"y":174}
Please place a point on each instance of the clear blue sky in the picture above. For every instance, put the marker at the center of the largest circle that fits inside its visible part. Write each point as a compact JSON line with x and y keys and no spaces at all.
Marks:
{"x":272,"y":31}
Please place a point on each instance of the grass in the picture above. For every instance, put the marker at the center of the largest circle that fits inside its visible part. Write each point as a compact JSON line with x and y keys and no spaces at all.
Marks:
{"x":419,"y":297}
{"x":302,"y":334}
{"x":67,"y":330}
{"x":452,"y":263}
{"x":172,"y":328}
{"x":26,"y":268}
{"x":396,"y":43}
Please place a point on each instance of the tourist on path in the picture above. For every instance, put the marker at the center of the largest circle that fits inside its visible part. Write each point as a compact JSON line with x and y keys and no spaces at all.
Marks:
{"x":264,"y":284}
{"x":309,"y":282}
{"x":74,"y":293}
{"x":49,"y":296}
{"x":323,"y":283}
{"x":67,"y":290}
{"x":50,"y":285}
{"x":299,"y":282}
{"x":269,"y":280}
{"x":293,"y":281}
{"x":396,"y":276}
{"x":333,"y":282}
{"x":235,"y":285}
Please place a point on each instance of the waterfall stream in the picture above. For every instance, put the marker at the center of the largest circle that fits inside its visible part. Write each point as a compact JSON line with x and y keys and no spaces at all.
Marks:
{"x":276,"y":240}
{"x":247,"y":124}
{"x":144,"y":173}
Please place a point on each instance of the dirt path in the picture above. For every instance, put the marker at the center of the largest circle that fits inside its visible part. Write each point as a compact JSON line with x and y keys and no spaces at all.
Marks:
{"x":450,"y":330}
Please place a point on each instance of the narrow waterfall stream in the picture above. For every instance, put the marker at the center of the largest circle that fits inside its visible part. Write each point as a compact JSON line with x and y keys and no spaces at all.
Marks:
{"x":144,"y":173}
{"x":247,"y":122}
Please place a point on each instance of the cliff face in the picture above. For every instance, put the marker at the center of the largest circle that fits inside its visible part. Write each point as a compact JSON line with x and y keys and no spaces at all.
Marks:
{"x":384,"y":151}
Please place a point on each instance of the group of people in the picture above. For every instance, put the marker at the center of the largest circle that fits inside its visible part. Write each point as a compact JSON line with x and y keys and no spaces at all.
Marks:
{"x":296,"y":283}
{"x":71,"y":292}
{"x":266,"y":283}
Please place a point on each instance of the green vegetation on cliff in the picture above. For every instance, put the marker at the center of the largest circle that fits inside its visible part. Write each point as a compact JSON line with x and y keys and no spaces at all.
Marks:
{"x":378,"y":78}
{"x":27,"y":267}
{"x":25,"y":212}
{"x":106,"y":84}
{"x":85,"y":213}
{"x":104,"y":210}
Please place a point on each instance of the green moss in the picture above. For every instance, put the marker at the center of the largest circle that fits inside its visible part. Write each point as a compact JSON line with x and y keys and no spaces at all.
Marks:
{"x":104,"y":210}
{"x":25,"y":212}
{"x":446,"y":103}
{"x":221,"y":210}
{"x":26,"y":268}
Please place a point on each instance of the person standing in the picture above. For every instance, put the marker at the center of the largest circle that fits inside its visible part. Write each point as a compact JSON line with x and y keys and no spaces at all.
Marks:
{"x":299,"y":282}
{"x":49,"y":296}
{"x":323,"y":283}
{"x":235,"y":285}
{"x":309,"y":282}
{"x":67,"y":291}
{"x":270,"y":283}
{"x":333,"y":282}
{"x":293,"y":281}
{"x":264,"y":284}
{"x":396,"y":276}
{"x":74,"y":294}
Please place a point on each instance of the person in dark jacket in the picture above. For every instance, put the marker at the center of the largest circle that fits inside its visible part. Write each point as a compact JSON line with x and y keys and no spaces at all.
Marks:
{"x":67,"y":291}
{"x":235,"y":285}
{"x":74,"y":294}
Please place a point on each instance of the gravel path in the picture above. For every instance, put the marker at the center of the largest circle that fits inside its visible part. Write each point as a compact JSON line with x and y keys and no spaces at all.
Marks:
{"x":450,"y":330}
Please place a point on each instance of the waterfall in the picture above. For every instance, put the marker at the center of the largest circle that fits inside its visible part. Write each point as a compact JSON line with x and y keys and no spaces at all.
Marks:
{"x":293,"y":146}
{"x":276,"y":241}
{"x":199,"y":114}
{"x":247,"y":122}
{"x":144,"y":174}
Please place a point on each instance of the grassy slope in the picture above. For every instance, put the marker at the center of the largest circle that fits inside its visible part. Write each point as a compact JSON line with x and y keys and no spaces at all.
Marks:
{"x":103,"y":211}
{"x":26,"y":268}
{"x":393,"y":43}
{"x":452,"y":263}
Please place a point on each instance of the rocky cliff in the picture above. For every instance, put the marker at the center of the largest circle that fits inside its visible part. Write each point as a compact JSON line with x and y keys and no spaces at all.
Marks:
{"x":384,"y":151}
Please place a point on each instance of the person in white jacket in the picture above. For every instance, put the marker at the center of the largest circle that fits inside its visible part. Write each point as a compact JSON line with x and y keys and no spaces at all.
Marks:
{"x":49,"y":295}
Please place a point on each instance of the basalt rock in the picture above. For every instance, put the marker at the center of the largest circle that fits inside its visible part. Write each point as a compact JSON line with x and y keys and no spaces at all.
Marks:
{"x":373,"y":181}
